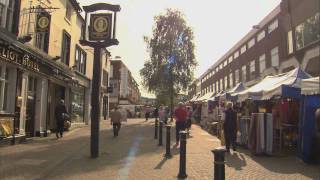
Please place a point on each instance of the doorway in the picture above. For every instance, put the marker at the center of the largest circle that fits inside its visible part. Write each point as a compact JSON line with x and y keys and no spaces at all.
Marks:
{"x":31,"y":104}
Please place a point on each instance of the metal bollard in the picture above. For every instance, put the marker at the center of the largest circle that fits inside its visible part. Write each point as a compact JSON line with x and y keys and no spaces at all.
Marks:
{"x":156,"y":129}
{"x":160,"y":133}
{"x":183,"y":143}
{"x":168,"y":143}
{"x":219,"y":163}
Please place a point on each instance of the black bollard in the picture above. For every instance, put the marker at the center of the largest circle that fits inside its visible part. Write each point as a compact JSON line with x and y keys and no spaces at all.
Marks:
{"x":156,"y":129}
{"x":219,"y":170}
{"x":160,"y":133}
{"x":183,"y":145}
{"x":168,"y":143}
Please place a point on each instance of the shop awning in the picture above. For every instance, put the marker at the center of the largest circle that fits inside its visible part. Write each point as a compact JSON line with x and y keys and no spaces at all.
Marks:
{"x":310,"y":86}
{"x":279,"y":85}
{"x":205,"y":97}
{"x":194,"y":98}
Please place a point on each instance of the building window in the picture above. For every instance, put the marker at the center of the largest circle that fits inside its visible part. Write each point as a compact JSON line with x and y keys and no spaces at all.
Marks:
{"x":77,"y":104}
{"x":273,"y":26}
{"x":262,"y":63}
{"x":221,"y":66}
{"x":4,"y":83}
{"x":214,"y":88}
{"x":244,"y":73}
{"x":275,"y":57}
{"x":261,"y":35}
{"x":231,"y":80}
{"x":308,"y":31}
{"x":236,"y":54}
{"x":217,"y":69}
{"x":226,"y":82}
{"x":251,"y":43}
{"x":290,"y":42}
{"x":68,"y":11}
{"x":243,"y":49}
{"x":225,"y":63}
{"x":252,"y":69}
{"x":6,"y":14}
{"x":65,"y":52}
{"x":80,"y":60}
{"x":230,"y":59}
{"x":221,"y":84}
{"x":237,"y":76}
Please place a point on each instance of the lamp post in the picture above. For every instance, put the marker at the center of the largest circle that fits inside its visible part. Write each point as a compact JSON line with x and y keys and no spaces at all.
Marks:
{"x":102,"y":28}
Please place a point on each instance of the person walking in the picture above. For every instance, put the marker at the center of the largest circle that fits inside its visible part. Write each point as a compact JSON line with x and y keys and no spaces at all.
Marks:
{"x":60,"y":114}
{"x":230,"y":127}
{"x":181,"y":117}
{"x":189,"y":116}
{"x":156,"y":113}
{"x":116,"y":121}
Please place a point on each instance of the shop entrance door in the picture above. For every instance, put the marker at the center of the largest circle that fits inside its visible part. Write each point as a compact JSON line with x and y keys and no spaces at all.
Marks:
{"x":31,"y":104}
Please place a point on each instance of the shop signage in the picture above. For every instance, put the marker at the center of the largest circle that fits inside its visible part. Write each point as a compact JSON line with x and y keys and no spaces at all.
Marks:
{"x":43,"y":22}
{"x":17,"y":58}
{"x":100,"y":27}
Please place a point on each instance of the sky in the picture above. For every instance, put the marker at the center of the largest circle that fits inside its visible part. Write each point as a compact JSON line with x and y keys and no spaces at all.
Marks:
{"x":217,"y":25}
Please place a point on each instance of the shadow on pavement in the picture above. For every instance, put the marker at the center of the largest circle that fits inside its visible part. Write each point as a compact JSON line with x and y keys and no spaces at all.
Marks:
{"x":70,"y":155}
{"x":283,"y":164}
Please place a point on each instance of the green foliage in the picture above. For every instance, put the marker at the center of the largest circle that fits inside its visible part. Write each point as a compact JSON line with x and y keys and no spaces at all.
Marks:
{"x":171,"y":38}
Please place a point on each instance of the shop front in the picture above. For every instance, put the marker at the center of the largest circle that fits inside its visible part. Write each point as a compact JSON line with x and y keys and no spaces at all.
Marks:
{"x":26,"y":77}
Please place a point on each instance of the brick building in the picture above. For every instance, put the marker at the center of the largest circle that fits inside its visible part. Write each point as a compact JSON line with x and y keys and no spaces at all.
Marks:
{"x":125,"y":88}
{"x":288,"y":37}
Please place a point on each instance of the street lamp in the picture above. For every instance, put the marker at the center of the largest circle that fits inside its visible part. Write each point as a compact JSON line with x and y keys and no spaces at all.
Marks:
{"x":101,"y":34}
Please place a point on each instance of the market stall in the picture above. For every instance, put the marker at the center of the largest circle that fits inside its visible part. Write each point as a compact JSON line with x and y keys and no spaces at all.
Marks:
{"x":309,"y":138}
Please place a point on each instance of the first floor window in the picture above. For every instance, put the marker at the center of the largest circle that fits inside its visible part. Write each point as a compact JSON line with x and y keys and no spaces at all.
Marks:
{"x":221,"y":84}
{"x":65,"y":53}
{"x":244,"y":73}
{"x":275,"y":57}
{"x":231,"y":80}
{"x":6,"y":14}
{"x":308,"y":31}
{"x":252,"y":69}
{"x":262,"y":63}
{"x":226,"y":82}
{"x":81,"y":60}
{"x":237,"y":76}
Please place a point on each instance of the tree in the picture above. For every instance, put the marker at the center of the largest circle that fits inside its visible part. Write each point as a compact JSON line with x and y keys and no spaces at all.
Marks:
{"x":172,"y":60}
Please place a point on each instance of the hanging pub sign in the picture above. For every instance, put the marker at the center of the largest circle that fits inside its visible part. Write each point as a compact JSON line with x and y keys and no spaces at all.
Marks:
{"x":43,"y":22}
{"x":100,"y":27}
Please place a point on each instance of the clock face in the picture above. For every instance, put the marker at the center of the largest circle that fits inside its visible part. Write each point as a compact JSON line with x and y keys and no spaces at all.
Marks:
{"x":101,"y":24}
{"x":43,"y":22}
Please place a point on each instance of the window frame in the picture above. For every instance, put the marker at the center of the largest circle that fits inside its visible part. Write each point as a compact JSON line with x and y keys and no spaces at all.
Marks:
{"x":262,"y":58}
{"x":272,"y":55}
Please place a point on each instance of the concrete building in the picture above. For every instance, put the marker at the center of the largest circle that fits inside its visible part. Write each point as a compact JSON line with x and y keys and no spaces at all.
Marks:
{"x":41,"y":63}
{"x":288,"y":37}
{"x":125,"y":88}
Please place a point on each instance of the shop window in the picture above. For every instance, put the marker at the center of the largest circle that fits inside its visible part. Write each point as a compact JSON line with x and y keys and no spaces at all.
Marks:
{"x":308,"y":31}
{"x":262,"y":63}
{"x":273,"y":26}
{"x":6,"y":14}
{"x":65,"y":52}
{"x":244,"y":73}
{"x":80,"y":60}
{"x":275,"y":57}
{"x":77,"y":105}
{"x":261,"y":35}
{"x":4,"y":83}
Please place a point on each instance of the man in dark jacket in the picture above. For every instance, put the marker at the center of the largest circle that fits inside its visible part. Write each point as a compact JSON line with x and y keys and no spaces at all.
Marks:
{"x":230,"y":127}
{"x":60,"y":113}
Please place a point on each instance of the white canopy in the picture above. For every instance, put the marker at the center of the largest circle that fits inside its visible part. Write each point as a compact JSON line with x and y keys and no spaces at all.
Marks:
{"x":272,"y":85}
{"x":310,"y":86}
{"x":206,"y":97}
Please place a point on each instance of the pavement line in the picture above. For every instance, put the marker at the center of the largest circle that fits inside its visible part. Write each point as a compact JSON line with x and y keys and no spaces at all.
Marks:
{"x":124,"y":172}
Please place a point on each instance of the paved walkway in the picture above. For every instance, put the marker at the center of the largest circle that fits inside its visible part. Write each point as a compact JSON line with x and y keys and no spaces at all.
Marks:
{"x":135,"y":155}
